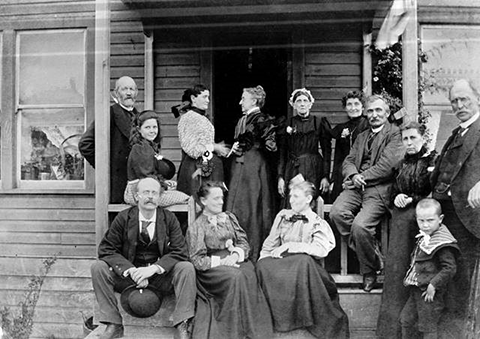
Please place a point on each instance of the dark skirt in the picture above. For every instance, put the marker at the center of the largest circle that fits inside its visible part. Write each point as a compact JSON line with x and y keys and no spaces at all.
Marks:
{"x":251,"y":197}
{"x":403,"y":228}
{"x":232,"y":305}
{"x":301,"y":294}
{"x":189,"y":185}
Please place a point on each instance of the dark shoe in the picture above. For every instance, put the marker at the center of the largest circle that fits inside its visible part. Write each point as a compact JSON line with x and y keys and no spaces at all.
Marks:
{"x":369,"y":281}
{"x":183,"y":330}
{"x":112,"y":331}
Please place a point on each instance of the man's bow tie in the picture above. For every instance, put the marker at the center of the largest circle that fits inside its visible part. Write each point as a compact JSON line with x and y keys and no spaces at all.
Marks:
{"x":297,"y":217}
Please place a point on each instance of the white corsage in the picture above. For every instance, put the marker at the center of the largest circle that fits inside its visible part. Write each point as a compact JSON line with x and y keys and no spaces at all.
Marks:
{"x":291,"y":130}
{"x":208,"y":154}
{"x":233,"y":249}
{"x":158,"y":156}
{"x":345,"y":133}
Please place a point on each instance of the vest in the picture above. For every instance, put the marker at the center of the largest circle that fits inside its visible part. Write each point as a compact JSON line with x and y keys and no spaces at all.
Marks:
{"x":146,"y":254}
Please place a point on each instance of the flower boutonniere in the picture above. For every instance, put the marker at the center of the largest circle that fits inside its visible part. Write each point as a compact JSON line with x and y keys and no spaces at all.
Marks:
{"x":158,"y":156}
{"x":345,"y":133}
{"x":291,"y":130}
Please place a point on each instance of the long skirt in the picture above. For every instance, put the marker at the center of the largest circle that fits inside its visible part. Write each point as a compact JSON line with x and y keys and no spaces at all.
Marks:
{"x":301,"y":294}
{"x":189,"y":185}
{"x":251,"y":197}
{"x":231,"y":305}
{"x":403,"y":228}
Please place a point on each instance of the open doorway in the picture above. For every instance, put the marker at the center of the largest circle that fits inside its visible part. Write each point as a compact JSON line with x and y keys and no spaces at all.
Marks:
{"x":244,"y":60}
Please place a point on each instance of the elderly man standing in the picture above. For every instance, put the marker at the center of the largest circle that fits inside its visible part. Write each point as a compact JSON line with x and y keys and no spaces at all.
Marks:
{"x":122,"y":114}
{"x":368,"y":177}
{"x":456,"y":185}
{"x":144,"y":246}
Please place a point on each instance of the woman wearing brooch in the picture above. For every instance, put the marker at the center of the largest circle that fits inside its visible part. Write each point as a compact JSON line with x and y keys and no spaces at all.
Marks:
{"x":345,"y":134}
{"x":300,"y":292}
{"x":196,"y":134}
{"x":251,"y":192}
{"x":299,"y":143}
{"x":232,"y":305}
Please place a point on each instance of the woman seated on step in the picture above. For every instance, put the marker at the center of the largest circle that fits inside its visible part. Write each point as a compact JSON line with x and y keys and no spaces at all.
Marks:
{"x":300,"y":292}
{"x":231,"y":305}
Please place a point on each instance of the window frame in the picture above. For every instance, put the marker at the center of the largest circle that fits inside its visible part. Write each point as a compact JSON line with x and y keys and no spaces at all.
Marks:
{"x":10,"y":116}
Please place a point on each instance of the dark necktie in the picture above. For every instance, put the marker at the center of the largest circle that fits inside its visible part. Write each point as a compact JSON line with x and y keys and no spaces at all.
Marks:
{"x":144,"y":232}
{"x":297,"y":217}
{"x":370,"y":139}
{"x":458,"y":137}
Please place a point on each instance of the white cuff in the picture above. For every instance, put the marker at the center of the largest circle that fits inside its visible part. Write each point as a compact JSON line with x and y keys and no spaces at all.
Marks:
{"x":215,"y":260}
{"x":240,"y":252}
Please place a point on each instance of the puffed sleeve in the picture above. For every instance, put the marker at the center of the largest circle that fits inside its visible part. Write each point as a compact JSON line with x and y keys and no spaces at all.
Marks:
{"x":196,"y":134}
{"x":273,"y":240}
{"x":321,"y":241}
{"x":241,"y":240}
{"x":196,"y":246}
{"x":326,"y":145}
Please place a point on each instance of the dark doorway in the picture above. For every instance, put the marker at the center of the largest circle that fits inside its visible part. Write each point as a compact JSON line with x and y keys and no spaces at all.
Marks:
{"x":244,"y":60}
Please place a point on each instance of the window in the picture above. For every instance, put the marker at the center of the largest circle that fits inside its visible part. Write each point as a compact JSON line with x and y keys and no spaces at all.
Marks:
{"x":51,"y":108}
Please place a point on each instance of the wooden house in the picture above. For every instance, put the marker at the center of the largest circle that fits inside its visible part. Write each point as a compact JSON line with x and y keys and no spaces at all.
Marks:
{"x":59,"y":60}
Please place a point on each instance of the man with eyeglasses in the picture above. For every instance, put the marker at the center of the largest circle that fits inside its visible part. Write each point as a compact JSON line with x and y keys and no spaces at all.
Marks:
{"x":456,"y":183}
{"x":144,"y":246}
{"x":368,"y":177}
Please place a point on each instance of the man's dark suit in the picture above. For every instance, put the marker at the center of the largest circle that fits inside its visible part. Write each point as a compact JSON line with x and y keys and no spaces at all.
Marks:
{"x":117,"y":252}
{"x":120,"y":127}
{"x":359,"y":211}
{"x":462,"y":220}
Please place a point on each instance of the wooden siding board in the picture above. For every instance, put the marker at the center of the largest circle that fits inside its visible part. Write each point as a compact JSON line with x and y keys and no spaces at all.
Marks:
{"x":71,"y":251}
{"x":47,"y":8}
{"x":42,"y":214}
{"x":36,"y":226}
{"x":50,"y":284}
{"x":67,"y":300}
{"x":72,"y":268}
{"x":46,"y":201}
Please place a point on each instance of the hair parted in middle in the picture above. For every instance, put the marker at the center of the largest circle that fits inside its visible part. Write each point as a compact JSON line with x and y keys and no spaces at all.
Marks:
{"x":206,"y":186}
{"x":135,"y":136}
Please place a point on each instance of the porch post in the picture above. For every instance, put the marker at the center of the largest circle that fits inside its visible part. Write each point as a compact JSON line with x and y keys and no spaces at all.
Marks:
{"x":367,"y":64}
{"x":102,"y":116}
{"x":410,"y":65}
{"x":149,"y":101}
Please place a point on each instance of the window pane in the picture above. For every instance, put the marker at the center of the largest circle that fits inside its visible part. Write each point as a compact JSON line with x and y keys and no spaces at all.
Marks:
{"x":51,"y":67}
{"x":49,"y":139}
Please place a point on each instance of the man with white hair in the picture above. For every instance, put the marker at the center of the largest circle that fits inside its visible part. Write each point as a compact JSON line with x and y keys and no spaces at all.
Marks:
{"x":122,"y":114}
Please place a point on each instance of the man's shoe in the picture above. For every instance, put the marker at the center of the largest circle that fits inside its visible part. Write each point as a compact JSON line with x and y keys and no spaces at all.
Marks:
{"x":183,"y":330}
{"x":112,"y":331}
{"x":369,"y":281}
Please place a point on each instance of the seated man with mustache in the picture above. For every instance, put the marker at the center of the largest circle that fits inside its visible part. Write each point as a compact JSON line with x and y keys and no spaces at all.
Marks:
{"x":368,"y":177}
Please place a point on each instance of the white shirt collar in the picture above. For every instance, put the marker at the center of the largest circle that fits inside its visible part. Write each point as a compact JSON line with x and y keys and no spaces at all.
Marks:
{"x":151,"y":226}
{"x":130,"y":109}
{"x":251,"y":110}
{"x":466,"y":124}
{"x":378,"y":129}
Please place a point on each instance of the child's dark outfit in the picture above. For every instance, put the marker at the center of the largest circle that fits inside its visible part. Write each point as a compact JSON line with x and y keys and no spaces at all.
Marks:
{"x":433,"y":262}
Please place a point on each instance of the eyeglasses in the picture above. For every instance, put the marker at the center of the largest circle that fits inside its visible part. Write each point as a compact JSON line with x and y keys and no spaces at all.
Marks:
{"x":145,"y":194}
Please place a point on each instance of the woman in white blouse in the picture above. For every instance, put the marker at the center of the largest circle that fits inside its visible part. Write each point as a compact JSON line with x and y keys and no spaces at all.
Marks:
{"x":300,"y":292}
{"x":196,"y":134}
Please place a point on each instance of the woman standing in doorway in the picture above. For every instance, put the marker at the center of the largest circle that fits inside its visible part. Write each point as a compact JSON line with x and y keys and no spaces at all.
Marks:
{"x":200,"y":153}
{"x":251,"y":192}
{"x":298,"y":147}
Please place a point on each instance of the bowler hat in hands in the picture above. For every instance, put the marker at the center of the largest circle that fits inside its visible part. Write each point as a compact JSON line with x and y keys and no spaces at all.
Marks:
{"x":140,"y":302}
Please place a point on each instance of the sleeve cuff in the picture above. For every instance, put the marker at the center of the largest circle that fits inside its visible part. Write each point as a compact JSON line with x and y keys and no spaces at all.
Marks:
{"x":215,"y":260}
{"x":160,"y":269}
{"x":240,"y":252}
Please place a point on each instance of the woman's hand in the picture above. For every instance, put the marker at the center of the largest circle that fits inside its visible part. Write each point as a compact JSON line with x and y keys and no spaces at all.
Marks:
{"x":230,"y":260}
{"x":277,"y":253}
{"x":324,"y":185}
{"x":429,"y":293}
{"x":236,"y":149}
{"x":281,"y":187}
{"x":402,"y":200}
{"x":221,"y":149}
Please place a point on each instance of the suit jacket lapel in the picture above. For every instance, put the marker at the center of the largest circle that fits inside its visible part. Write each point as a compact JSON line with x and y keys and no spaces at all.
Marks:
{"x":469,"y":143}
{"x":379,"y":140}
{"x":362,"y":140}
{"x":133,"y":230}
{"x":123,"y":119}
{"x":160,"y":231}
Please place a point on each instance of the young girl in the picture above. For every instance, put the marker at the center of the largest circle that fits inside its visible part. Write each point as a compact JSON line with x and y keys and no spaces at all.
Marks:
{"x":145,"y":160}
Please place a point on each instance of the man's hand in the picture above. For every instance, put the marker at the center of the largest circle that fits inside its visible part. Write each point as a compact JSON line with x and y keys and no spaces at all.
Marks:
{"x":429,"y":293}
{"x":221,"y":149}
{"x":143,"y":284}
{"x":143,"y":273}
{"x":277,"y":253}
{"x":348,"y":185}
{"x":474,"y":196}
{"x":324,"y":185}
{"x":281,"y":187}
{"x":359,"y":181}
{"x":402,"y":200}
{"x":230,"y":260}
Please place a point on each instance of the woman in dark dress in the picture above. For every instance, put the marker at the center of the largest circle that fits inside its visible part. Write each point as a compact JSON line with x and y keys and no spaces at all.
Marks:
{"x":251,"y":193}
{"x":233,"y":306}
{"x":145,"y":159}
{"x":200,"y":153}
{"x":345,"y":134}
{"x":300,"y":292}
{"x":412,"y":184}
{"x":298,"y":146}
